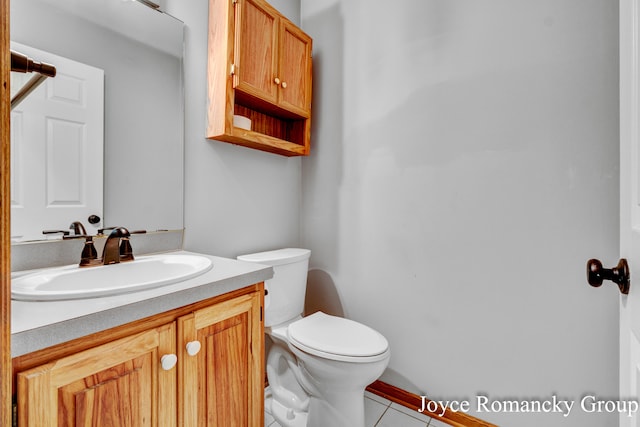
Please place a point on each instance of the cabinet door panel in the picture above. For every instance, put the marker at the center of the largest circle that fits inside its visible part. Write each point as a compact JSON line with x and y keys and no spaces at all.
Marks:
{"x":256,"y":50}
{"x":223,"y":383}
{"x":115,"y":396}
{"x":295,"y":69}
{"x":226,"y":372}
{"x":115,"y":384}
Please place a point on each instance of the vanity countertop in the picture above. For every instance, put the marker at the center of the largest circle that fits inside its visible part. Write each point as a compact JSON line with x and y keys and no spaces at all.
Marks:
{"x":41,"y":324}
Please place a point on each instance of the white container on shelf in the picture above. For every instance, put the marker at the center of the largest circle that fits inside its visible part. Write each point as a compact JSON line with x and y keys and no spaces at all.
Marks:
{"x":241,"y":122}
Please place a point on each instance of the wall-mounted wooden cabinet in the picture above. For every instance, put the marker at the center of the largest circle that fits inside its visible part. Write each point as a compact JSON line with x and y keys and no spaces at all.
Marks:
{"x":259,"y":67}
{"x":200,"y":365}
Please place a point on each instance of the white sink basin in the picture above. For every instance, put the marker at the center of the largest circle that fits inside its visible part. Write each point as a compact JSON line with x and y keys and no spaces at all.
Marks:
{"x":73,"y":282}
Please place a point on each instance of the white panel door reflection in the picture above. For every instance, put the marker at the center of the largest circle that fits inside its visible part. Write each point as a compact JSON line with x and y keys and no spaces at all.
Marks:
{"x":57,"y":136}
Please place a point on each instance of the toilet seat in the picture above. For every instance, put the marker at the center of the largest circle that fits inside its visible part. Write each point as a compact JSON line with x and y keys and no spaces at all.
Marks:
{"x":337,"y":338}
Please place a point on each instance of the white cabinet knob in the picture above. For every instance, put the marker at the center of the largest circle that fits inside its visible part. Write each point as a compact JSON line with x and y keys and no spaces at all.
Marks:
{"x":276,"y":81}
{"x":284,"y":85}
{"x":168,"y":361}
{"x":193,"y":347}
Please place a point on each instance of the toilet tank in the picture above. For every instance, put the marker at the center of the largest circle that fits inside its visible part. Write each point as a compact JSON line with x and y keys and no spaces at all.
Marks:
{"x":284,"y":300}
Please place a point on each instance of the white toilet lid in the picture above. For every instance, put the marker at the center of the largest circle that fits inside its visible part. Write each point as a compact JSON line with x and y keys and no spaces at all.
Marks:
{"x":323,"y":334}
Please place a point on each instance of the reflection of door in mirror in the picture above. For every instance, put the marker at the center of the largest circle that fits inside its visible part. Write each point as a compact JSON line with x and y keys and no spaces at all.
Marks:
{"x":57,"y":149}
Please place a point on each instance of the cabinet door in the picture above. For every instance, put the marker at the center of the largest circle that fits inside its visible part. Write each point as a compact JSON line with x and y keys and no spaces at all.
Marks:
{"x":295,"y":69}
{"x":117,"y":384}
{"x":256,"y":50}
{"x":222,"y":385}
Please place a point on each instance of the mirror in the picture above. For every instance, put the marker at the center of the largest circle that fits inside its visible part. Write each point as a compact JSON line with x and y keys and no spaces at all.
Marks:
{"x":139,"y":50}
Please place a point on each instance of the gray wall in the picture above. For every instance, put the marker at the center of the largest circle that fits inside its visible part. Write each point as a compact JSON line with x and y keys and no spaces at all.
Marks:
{"x":464,"y":167}
{"x":458,"y":149}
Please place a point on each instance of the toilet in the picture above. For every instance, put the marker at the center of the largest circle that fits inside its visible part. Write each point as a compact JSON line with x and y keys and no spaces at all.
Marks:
{"x":318,"y":365}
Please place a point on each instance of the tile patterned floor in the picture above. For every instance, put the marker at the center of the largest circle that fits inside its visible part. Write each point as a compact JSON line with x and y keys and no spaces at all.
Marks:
{"x":380,"y":412}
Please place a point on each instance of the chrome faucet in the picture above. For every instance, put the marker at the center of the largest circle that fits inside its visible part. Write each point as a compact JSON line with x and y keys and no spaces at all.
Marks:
{"x":117,"y":248}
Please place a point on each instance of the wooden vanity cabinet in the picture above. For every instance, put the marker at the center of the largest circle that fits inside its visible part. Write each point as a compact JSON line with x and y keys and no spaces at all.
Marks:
{"x":215,"y":381}
{"x":259,"y":66}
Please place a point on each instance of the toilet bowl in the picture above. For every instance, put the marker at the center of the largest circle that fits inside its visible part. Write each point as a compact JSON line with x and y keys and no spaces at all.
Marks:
{"x":318,"y":365}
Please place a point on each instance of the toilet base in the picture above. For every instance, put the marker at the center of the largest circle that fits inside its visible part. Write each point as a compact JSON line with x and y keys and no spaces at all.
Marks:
{"x":286,"y":417}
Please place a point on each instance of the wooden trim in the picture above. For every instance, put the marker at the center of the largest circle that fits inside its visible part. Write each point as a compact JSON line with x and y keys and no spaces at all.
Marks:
{"x":5,"y":213}
{"x":414,"y":402}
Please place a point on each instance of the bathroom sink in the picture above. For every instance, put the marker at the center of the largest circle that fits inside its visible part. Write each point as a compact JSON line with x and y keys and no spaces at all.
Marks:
{"x":74,"y":282}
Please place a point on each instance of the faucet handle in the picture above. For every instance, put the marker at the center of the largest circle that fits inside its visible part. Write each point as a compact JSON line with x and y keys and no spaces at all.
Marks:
{"x":102,"y":230}
{"x":89,"y":252}
{"x":126,"y":251}
{"x":63,"y":232}
{"x":75,"y":236}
